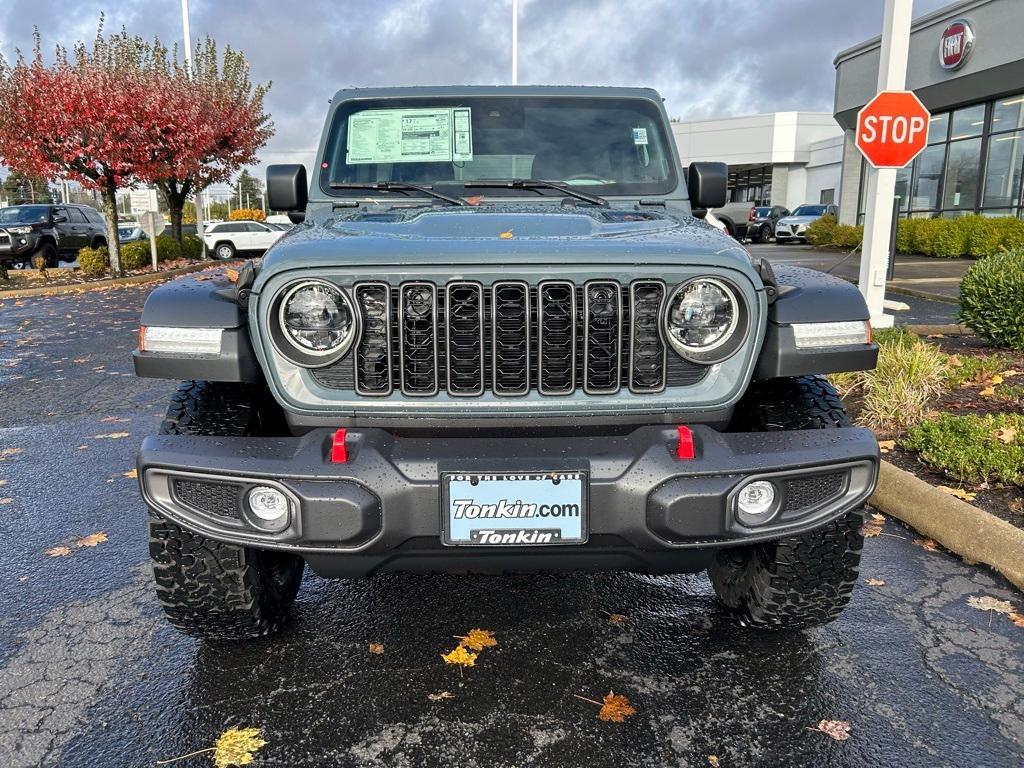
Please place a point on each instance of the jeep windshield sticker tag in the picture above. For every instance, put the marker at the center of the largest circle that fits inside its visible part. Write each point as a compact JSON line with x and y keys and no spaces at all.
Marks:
{"x":640,"y":136}
{"x":516,"y":508}
{"x":426,"y":135}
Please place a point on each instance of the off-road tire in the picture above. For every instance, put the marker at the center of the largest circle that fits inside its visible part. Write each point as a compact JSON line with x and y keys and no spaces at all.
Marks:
{"x":45,"y":257}
{"x":207,"y":588}
{"x":798,"y":581}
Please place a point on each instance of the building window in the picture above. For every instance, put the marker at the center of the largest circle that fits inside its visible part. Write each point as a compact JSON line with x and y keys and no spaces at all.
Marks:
{"x":927,"y":175}
{"x":968,"y":122}
{"x":963,"y":176}
{"x":827,"y":197}
{"x":1002,"y":180}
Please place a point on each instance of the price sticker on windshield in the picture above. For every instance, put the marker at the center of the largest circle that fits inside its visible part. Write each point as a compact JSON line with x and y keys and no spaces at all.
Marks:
{"x":424,"y":135}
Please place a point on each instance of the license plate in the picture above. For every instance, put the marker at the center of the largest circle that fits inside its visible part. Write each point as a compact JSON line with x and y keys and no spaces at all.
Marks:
{"x":517,"y":509}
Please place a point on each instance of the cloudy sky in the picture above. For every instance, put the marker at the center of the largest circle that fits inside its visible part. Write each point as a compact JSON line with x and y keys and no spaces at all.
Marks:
{"x":708,"y":58}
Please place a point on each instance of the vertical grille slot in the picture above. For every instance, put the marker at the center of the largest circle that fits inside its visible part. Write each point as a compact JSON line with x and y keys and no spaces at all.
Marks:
{"x":464,"y":315}
{"x":647,"y":356}
{"x":417,"y":331}
{"x":556,"y":338}
{"x":373,"y":355}
{"x":510,"y":338}
{"x":602,"y":337}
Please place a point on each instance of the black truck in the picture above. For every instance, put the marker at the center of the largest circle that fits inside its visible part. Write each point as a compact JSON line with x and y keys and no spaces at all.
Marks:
{"x":39,"y":234}
{"x":498,"y":341}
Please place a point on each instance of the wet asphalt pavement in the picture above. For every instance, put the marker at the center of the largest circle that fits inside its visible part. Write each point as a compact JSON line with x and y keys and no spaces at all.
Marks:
{"x":91,"y":675}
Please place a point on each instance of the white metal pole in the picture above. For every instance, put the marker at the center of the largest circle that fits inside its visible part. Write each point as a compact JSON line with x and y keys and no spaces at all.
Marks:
{"x":515,"y":42}
{"x":892,"y":76}
{"x":187,"y":33}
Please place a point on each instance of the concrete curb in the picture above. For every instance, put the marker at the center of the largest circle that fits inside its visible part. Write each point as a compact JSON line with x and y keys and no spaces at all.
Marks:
{"x":921,"y":294}
{"x":945,"y":330}
{"x":148,"y":277}
{"x":972,"y":533}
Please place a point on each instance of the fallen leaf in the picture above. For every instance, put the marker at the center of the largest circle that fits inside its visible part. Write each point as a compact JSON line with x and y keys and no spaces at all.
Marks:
{"x":873,"y":527}
{"x":996,"y":380}
{"x":507,"y":235}
{"x":3,"y":483}
{"x":616,"y":708}
{"x":91,"y":540}
{"x":1009,"y":374}
{"x":935,"y":336}
{"x":83,"y":447}
{"x":713,"y":761}
{"x":988,"y":603}
{"x":6,"y":500}
{"x":460,"y":656}
{"x":837,"y":729}
{"x":441,"y":696}
{"x":111,"y":436}
{"x":1016,"y":618}
{"x":886,"y":445}
{"x":1006,"y":434}
{"x":478,"y":639}
{"x":987,"y":392}
{"x":474,"y":199}
{"x":377,"y":648}
{"x":930,"y":544}
{"x":1017,"y":506}
{"x":232,"y":275}
{"x":874,"y":582}
{"x":133,"y":473}
{"x":954,"y":361}
{"x":113,"y":419}
{"x":5,"y":452}
{"x":59,"y":551}
{"x":616,"y":618}
{"x":959,"y":493}
{"x":236,"y":747}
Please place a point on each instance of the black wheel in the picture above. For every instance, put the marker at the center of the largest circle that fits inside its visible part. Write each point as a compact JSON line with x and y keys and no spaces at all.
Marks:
{"x":766,"y":233}
{"x":208,"y":588}
{"x":99,"y":242}
{"x":45,"y":257}
{"x":798,"y":581}
{"x":224,"y":251}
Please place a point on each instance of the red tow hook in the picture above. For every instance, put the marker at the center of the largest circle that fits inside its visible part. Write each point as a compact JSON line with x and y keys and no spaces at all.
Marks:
{"x":684,"y":447}
{"x":339,"y":453}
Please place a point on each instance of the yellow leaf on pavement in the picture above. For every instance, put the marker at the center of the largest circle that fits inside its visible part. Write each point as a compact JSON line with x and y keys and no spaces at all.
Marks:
{"x":930,"y":544}
{"x":1016,"y":618}
{"x":133,"y":473}
{"x":460,"y":656}
{"x":232,"y":275}
{"x":6,"y":500}
{"x":377,"y":648}
{"x":988,"y":603}
{"x":616,"y":618}
{"x":616,"y":708}
{"x":874,"y":582}
{"x":91,"y":540}
{"x":478,"y":639}
{"x":236,"y":747}
{"x":59,"y":551}
{"x":506,"y":235}
{"x":111,"y":436}
{"x":441,"y":696}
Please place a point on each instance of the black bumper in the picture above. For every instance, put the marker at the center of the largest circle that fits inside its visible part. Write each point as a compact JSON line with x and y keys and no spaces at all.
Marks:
{"x":647,"y":509}
{"x":12,"y":249}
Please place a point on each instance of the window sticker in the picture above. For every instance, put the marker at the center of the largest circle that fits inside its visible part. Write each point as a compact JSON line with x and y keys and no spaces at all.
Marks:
{"x":423,"y":135}
{"x":640,"y":136}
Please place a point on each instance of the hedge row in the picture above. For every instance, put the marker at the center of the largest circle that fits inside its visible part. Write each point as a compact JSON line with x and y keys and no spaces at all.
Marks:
{"x":135,"y":255}
{"x":976,"y":236}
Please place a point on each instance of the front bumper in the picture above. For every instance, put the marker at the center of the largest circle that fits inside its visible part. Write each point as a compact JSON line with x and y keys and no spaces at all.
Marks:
{"x":13,"y":246}
{"x":381,"y":510}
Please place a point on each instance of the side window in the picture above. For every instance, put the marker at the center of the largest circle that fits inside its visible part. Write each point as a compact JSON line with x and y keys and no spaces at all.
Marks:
{"x":56,"y":212}
{"x":76,"y":216}
{"x":255,"y":228}
{"x":93,"y":215}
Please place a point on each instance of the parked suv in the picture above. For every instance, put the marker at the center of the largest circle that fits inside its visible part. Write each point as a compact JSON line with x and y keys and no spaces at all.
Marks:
{"x":794,"y":226}
{"x":762,"y":220}
{"x":230,"y":237}
{"x":500,"y":341}
{"x":45,"y":233}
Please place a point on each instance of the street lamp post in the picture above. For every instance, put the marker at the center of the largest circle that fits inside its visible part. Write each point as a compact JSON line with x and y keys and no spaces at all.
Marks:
{"x":187,"y":33}
{"x":515,"y":42}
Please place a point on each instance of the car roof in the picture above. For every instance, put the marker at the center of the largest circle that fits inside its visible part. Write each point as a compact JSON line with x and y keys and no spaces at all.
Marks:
{"x":593,"y":91}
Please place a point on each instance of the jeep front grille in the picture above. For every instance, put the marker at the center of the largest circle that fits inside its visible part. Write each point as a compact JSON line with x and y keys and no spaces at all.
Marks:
{"x":509,"y":338}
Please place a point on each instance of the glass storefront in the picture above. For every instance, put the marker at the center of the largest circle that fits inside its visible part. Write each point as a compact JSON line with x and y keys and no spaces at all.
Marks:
{"x":750,"y":185}
{"x":974,"y":163}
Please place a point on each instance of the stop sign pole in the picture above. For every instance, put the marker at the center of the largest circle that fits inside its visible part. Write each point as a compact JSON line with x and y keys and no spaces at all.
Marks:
{"x":878,"y":219}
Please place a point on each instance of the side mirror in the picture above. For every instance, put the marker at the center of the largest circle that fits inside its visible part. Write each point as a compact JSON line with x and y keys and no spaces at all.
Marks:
{"x":708,"y":184}
{"x":59,"y":218}
{"x":287,"y":188}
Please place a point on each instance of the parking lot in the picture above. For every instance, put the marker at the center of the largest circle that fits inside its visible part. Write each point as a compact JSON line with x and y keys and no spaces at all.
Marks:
{"x":91,"y":675}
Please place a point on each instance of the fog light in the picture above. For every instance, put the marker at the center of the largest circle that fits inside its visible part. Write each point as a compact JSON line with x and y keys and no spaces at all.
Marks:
{"x":756,"y":499}
{"x":270,"y":507}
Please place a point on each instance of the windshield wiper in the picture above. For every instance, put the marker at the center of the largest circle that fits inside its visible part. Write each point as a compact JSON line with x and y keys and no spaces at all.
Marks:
{"x":398,"y":186}
{"x":539,"y":184}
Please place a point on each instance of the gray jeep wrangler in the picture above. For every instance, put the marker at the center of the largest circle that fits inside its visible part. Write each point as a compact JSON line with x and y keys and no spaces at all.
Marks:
{"x":501,"y":340}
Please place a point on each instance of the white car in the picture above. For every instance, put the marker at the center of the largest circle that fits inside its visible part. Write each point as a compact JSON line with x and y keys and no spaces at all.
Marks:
{"x":228,"y":238}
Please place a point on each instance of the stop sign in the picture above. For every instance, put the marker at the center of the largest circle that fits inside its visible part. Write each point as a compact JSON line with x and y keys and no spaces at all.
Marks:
{"x":892,"y":129}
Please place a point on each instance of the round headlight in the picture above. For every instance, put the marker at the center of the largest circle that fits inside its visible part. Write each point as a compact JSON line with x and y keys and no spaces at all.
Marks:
{"x":318,"y":320}
{"x":702,"y":318}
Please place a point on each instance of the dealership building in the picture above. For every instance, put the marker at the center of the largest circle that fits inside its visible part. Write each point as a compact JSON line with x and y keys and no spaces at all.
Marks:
{"x":782,"y":158}
{"x":966,"y":65}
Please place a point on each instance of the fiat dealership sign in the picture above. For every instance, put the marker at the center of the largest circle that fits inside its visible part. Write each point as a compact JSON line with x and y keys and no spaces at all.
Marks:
{"x":892,"y":129}
{"x":956,"y":44}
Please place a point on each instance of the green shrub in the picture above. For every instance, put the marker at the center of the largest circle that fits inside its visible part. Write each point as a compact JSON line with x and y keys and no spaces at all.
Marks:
{"x":135,"y":255}
{"x":951,"y":237}
{"x":847,"y":236}
{"x":906,"y":234}
{"x":820,"y":232}
{"x":93,"y":261}
{"x":969,"y":448}
{"x":987,"y":237}
{"x":897,"y":392}
{"x":193,"y":247}
{"x":992,"y":299}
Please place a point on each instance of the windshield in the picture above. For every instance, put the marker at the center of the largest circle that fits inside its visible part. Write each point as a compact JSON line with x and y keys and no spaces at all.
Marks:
{"x":24,"y":214}
{"x":763,"y":211}
{"x":607,"y":146}
{"x":810,"y":210}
